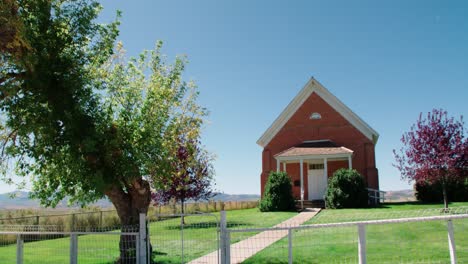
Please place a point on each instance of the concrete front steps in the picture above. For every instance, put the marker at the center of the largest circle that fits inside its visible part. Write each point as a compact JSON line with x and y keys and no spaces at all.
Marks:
{"x":310,"y":204}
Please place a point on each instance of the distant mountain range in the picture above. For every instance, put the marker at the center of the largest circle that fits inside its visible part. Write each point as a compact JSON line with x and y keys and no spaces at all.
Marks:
{"x":399,"y":196}
{"x":21,"y":200}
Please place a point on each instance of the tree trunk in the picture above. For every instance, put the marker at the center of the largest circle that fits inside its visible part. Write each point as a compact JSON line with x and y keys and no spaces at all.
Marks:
{"x":444,"y":193}
{"x":129,"y":206}
{"x":183,"y":212}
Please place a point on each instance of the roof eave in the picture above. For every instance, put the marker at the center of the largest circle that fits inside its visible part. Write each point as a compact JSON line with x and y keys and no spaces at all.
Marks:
{"x":268,"y":135}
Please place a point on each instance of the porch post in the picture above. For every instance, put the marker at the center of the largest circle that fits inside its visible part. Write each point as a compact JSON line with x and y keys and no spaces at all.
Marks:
{"x":284,"y":166}
{"x":277,"y":165}
{"x":301,"y":163}
{"x":325,"y":168}
{"x":350,"y":162}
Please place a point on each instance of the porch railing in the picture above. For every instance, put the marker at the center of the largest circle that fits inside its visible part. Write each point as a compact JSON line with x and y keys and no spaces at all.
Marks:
{"x":376,"y":196}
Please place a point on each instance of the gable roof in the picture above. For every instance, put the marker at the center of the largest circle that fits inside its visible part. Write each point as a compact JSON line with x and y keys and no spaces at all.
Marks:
{"x":314,"y":86}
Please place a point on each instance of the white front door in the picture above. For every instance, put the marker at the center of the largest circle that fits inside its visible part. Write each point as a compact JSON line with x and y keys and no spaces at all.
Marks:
{"x":317,"y":182}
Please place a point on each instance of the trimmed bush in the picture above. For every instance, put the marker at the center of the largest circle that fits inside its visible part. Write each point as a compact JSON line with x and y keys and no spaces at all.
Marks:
{"x":346,"y":189}
{"x":278,"y":193}
{"x":457,"y":191}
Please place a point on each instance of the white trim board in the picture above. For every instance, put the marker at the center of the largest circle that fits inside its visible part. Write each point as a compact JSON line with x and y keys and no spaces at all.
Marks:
{"x":314,"y":86}
{"x":313,"y":157}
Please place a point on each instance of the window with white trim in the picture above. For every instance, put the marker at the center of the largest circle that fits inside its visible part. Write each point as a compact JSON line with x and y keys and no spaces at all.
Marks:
{"x":315,"y":116}
{"x":316,"y":166}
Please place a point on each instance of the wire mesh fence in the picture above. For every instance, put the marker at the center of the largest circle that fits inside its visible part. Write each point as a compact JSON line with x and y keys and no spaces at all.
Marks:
{"x":301,"y":246}
{"x":416,"y":242}
{"x":181,"y":238}
{"x":419,"y":236}
{"x":98,"y":218}
{"x":420,"y":242}
{"x":67,"y":222}
{"x":50,"y":244}
{"x":204,"y":207}
{"x":50,"y":232}
{"x":196,"y":241}
{"x":331,"y":236}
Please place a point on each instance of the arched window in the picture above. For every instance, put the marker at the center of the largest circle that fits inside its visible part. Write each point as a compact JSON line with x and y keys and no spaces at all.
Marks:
{"x":315,"y":116}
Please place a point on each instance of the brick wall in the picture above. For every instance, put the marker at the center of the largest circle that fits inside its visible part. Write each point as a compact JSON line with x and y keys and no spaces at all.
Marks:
{"x":332,"y":126}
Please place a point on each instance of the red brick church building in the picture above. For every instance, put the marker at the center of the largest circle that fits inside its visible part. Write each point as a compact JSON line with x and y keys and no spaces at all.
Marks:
{"x":315,"y":135}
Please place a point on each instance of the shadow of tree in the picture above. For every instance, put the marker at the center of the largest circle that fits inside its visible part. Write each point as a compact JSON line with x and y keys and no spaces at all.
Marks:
{"x":158,"y":253}
{"x":166,"y":261}
{"x":388,"y":205}
{"x":155,"y":254}
{"x":206,"y":225}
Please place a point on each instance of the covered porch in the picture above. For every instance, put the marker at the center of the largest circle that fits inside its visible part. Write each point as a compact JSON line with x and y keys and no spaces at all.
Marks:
{"x":309,"y":167}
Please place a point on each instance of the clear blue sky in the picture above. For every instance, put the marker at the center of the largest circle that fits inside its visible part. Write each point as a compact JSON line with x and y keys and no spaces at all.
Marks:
{"x":388,"y":61}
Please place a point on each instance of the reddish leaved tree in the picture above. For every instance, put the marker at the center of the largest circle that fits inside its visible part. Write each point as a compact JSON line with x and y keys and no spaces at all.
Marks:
{"x":434,"y":150}
{"x":192,"y":176}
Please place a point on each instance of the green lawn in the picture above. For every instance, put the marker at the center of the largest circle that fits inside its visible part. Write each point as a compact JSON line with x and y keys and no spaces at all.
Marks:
{"x":423,"y":242}
{"x":199,"y":236}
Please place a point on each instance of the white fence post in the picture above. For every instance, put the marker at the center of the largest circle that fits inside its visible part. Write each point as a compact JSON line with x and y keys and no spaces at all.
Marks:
{"x":143,"y":258}
{"x":228,"y":247}
{"x":362,"y":243}
{"x":222,"y":235}
{"x":19,"y":249}
{"x":73,"y":248}
{"x":451,"y":240}
{"x":137,"y":255}
{"x":224,"y":243}
{"x":290,"y":255}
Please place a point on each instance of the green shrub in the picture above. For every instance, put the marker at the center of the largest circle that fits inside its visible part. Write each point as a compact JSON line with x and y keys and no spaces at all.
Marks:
{"x":278,"y":193}
{"x":346,"y":189}
{"x":457,"y":191}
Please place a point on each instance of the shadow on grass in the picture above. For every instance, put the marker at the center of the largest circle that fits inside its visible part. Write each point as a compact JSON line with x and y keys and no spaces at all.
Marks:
{"x":164,"y":261}
{"x":158,"y":253}
{"x":156,"y":258}
{"x":167,"y":261}
{"x":412,"y":203}
{"x":206,"y":225}
{"x":405,"y":203}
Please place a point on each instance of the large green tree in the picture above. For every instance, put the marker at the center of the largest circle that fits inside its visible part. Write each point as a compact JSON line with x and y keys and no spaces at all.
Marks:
{"x":78,"y":119}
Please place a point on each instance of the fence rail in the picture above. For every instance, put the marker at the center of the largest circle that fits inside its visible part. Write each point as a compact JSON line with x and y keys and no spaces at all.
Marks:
{"x":344,"y":224}
{"x":227,"y":256}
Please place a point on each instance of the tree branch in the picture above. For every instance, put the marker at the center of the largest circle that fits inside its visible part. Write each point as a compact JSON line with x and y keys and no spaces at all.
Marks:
{"x":12,"y":75}
{"x":11,"y":135}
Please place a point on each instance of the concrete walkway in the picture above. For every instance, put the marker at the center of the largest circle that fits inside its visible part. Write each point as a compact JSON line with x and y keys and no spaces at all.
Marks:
{"x":246,"y":248}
